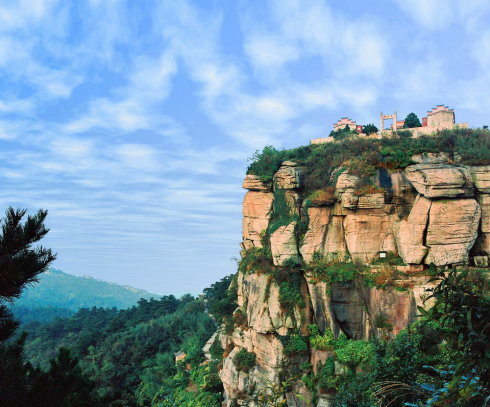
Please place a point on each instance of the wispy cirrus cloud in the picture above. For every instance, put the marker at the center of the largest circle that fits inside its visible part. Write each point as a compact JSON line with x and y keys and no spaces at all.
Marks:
{"x":132,"y":123}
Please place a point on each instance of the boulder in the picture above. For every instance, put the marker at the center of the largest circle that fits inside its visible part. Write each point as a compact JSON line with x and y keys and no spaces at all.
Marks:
{"x":410,"y":233}
{"x":254,"y":183}
{"x":440,"y":180}
{"x":256,"y":211}
{"x":366,"y":231}
{"x":452,"y":231}
{"x":283,"y":245}
{"x":335,"y":246}
{"x":288,"y":176}
{"x":481,"y":177}
{"x":325,"y":235}
{"x":346,"y":181}
{"x":371,"y":201}
{"x":314,"y":239}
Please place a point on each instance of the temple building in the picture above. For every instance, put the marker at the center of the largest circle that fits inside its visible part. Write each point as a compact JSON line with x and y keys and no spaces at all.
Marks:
{"x":440,"y":117}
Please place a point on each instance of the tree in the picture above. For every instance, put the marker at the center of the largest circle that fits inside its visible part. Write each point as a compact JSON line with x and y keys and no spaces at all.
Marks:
{"x":411,"y":121}
{"x":20,"y":262}
{"x":369,"y":129}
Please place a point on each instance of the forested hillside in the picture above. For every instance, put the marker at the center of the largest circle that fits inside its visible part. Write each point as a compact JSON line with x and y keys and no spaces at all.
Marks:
{"x":129,"y":354}
{"x":60,"y":294}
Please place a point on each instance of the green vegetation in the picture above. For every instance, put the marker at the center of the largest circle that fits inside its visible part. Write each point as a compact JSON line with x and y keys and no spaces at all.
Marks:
{"x":256,"y":260}
{"x":244,"y":360}
{"x":440,"y":360}
{"x":369,"y":129}
{"x":337,"y":272}
{"x":342,"y":134}
{"x":125,"y":350}
{"x":294,"y":345}
{"x":391,"y":259}
{"x":289,"y":280}
{"x":282,"y":214}
{"x":363,"y":156}
{"x":321,"y":342}
{"x":411,"y":120}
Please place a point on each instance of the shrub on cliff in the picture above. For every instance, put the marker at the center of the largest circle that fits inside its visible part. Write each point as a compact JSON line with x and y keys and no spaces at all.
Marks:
{"x":363,"y":156}
{"x":244,"y":360}
{"x":321,"y":342}
{"x":295,"y":345}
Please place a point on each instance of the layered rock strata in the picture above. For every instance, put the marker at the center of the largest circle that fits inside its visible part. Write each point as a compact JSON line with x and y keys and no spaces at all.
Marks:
{"x":434,"y":212}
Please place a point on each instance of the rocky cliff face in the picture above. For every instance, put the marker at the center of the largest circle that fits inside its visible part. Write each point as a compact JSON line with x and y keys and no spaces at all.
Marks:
{"x":434,"y":211}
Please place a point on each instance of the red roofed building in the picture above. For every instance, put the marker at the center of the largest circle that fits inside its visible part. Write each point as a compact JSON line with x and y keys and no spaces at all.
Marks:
{"x":345,"y":121}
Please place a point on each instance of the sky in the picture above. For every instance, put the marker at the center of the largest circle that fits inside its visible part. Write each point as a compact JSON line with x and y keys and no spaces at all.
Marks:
{"x":131,"y":122}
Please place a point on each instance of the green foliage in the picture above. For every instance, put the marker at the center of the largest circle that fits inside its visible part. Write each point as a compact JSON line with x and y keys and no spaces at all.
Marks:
{"x":256,"y":260}
{"x":282,"y":214}
{"x":391,"y":259}
{"x":62,"y":384}
{"x":411,"y":120}
{"x":369,"y":129}
{"x":289,"y":280}
{"x":326,"y":378}
{"x":363,"y":156}
{"x":462,"y":309}
{"x":321,"y":342}
{"x":337,"y":272}
{"x":20,"y":261}
{"x":244,"y":360}
{"x":342,"y":134}
{"x":216,"y":350}
{"x":221,"y":298}
{"x":381,"y":321}
{"x":295,"y":345}
{"x":125,"y":350}
{"x":266,"y":163}
{"x":355,"y":353}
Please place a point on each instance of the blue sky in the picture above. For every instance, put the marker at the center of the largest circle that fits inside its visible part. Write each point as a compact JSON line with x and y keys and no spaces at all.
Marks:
{"x":131,"y":121}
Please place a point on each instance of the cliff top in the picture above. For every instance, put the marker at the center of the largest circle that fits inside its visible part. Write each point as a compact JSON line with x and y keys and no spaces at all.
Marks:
{"x":361,"y":156}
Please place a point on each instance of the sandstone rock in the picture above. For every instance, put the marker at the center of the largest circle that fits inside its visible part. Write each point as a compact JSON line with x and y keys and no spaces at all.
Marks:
{"x":484,"y":201}
{"x":371,"y":201}
{"x":283,"y":245}
{"x":440,"y":180}
{"x":431,"y":158}
{"x":410,"y":233}
{"x":252,"y":297}
{"x":397,"y":307}
{"x":325,"y":235}
{"x":452,"y":231}
{"x":349,"y":309}
{"x":335,"y":246}
{"x":322,"y":305}
{"x":481,"y":177}
{"x":346,"y":181}
{"x":314,"y":239}
{"x":349,"y":200}
{"x":257,"y":208}
{"x":318,"y":358}
{"x":365,"y":233}
{"x":253,"y":183}
{"x":288,"y":176}
{"x":400,"y":184}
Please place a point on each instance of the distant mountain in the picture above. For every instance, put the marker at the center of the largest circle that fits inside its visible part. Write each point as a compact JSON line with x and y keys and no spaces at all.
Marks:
{"x":60,"y":294}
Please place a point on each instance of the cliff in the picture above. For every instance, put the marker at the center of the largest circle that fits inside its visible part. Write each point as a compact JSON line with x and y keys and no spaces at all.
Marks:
{"x":348,"y":260}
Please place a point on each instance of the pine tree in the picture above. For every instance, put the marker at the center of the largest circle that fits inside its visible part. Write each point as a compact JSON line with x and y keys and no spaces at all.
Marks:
{"x":20,"y":262}
{"x":411,"y":120}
